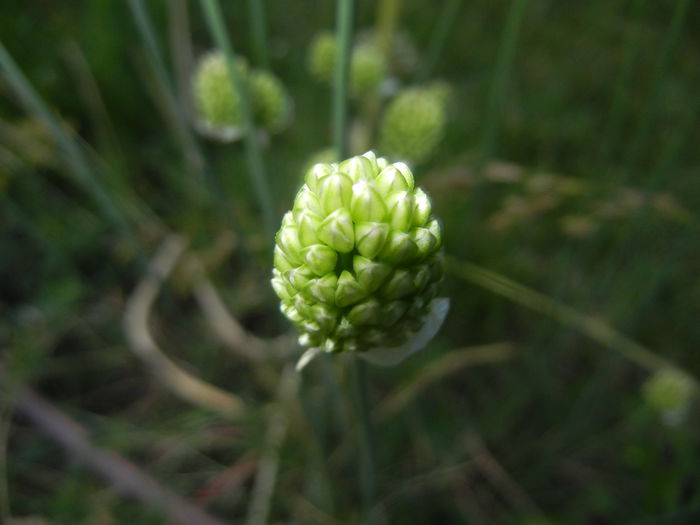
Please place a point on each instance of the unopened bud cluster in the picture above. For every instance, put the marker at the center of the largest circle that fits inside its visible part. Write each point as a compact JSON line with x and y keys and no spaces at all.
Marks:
{"x":668,"y":390}
{"x":357,"y":260}
{"x":367,"y":65}
{"x":218,"y":103}
{"x":414,"y":123}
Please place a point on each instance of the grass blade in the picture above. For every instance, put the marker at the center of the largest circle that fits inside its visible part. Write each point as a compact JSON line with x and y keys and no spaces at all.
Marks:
{"x":344,"y":22}
{"x":256,"y":168}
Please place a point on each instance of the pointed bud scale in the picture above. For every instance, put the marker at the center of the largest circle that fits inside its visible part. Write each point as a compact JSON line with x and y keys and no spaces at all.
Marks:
{"x":288,"y":241}
{"x":400,"y":210}
{"x":357,"y":261}
{"x":425,"y":240}
{"x":316,"y":174}
{"x":335,"y":192}
{"x":337,"y":231}
{"x":399,"y":285}
{"x":421,"y":211}
{"x":307,"y":200}
{"x":407,"y":174}
{"x":365,"y":313}
{"x":358,"y":168}
{"x":299,"y":277}
{"x":281,"y":261}
{"x":308,"y":224}
{"x":322,"y":289}
{"x":370,"y":274}
{"x":320,"y":258}
{"x":349,"y":290}
{"x":370,"y":237}
{"x":399,"y":249}
{"x":367,"y":205}
{"x":391,"y":180}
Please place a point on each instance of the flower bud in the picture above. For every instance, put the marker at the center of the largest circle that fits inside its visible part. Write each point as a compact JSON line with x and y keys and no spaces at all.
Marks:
{"x":357,"y":261}
{"x":413,"y":124}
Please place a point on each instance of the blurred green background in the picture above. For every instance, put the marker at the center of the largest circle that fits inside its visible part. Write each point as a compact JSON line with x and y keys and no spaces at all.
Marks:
{"x":569,"y":164}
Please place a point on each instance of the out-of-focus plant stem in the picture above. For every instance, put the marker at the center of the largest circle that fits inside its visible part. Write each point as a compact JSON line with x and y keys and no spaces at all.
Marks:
{"x":344,"y":22}
{"x":448,"y":16}
{"x":258,"y":25}
{"x":256,"y":167}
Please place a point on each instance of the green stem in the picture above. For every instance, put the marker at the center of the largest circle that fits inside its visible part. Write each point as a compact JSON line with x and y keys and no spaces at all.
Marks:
{"x":644,"y":127}
{"x":367,"y":454}
{"x":344,"y":20}
{"x":77,"y":162}
{"x":256,"y":168}
{"x":256,"y":11}
{"x":504,"y":64}
{"x":444,"y":25}
{"x":193,"y":156}
{"x":592,"y":327}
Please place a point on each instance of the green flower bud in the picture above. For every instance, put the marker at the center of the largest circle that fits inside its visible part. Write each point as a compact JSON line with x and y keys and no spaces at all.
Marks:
{"x":357,"y":261}
{"x":218,"y":103}
{"x":367,"y":70}
{"x":322,"y":56}
{"x":670,"y":392}
{"x":367,"y":65}
{"x":272,"y":107}
{"x":216,"y":99}
{"x":413,"y":124}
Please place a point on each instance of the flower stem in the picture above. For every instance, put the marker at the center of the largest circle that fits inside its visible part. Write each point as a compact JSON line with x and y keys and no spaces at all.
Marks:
{"x":344,"y":18}
{"x":256,"y":168}
{"x":256,"y":11}
{"x":367,"y":448}
{"x":444,"y":25}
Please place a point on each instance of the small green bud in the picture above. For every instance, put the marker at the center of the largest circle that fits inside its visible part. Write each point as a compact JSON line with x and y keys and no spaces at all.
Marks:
{"x":669,"y":390}
{"x":272,"y":106}
{"x":320,"y":258}
{"x":216,"y":99}
{"x":413,"y":124}
{"x":337,"y":232}
{"x":367,"y":205}
{"x":357,"y":262}
{"x":367,"y":70}
{"x":349,"y":290}
{"x":370,"y":237}
{"x":322,"y":56}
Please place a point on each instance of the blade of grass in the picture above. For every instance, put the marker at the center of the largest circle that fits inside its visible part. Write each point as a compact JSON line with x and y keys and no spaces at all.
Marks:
{"x":614,"y":119}
{"x":644,"y":125}
{"x":77,"y":162}
{"x":256,"y":13}
{"x":344,"y":23}
{"x":590,"y":326}
{"x":193,"y":156}
{"x":256,"y":168}
{"x":443,"y":27}
{"x":504,"y":64}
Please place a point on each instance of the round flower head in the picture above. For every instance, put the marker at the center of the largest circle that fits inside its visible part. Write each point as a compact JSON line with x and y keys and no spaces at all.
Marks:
{"x":216,"y":99}
{"x":367,"y":69}
{"x":358,"y":260}
{"x":670,"y":392}
{"x":322,"y":56}
{"x":413,"y":124}
{"x":271,"y":104}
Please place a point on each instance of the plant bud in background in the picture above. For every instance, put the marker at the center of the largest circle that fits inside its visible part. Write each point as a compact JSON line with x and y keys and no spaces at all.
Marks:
{"x":367,"y":65}
{"x":322,"y":56}
{"x":413,"y":124}
{"x":216,"y":100}
{"x":272,"y":106}
{"x":358,"y":260}
{"x":670,"y":392}
{"x":367,"y":70}
{"x":218,"y":103}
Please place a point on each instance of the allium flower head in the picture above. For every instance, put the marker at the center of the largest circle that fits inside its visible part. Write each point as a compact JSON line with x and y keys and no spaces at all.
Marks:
{"x":670,"y":392}
{"x":218,"y":103}
{"x":322,"y":56}
{"x":358,"y":259}
{"x":216,"y":99}
{"x":413,"y":124}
